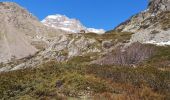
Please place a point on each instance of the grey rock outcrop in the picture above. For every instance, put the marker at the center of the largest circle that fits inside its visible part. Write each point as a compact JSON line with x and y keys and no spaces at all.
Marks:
{"x":157,"y":6}
{"x":151,"y":25}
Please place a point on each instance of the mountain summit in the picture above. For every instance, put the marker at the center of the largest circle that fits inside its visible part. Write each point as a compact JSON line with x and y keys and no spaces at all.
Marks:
{"x":67,"y":24}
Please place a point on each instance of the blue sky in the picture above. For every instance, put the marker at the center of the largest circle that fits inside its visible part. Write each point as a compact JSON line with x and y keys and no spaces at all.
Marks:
{"x":104,"y":14}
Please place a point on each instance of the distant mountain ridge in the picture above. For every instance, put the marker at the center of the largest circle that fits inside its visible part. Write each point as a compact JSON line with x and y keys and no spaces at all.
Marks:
{"x":67,"y":24}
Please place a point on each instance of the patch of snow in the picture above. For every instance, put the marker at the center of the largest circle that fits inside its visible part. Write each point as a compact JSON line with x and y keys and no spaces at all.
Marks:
{"x":5,"y":69}
{"x":53,"y":26}
{"x":146,"y":10}
{"x":154,"y":14}
{"x":68,"y":30}
{"x":18,"y":67}
{"x":54,"y":16}
{"x":158,"y":43}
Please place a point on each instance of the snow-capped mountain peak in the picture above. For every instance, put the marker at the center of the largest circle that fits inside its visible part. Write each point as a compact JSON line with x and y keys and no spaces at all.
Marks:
{"x":67,"y":24}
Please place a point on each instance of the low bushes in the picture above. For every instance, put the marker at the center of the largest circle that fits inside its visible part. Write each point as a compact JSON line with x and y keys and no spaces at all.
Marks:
{"x":61,"y":80}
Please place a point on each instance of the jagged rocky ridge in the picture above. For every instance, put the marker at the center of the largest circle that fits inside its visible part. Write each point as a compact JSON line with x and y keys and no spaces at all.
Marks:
{"x":150,"y":26}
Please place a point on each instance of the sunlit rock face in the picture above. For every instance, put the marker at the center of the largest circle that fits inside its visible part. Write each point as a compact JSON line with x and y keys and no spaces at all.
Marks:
{"x":150,"y":26}
{"x":13,"y":42}
{"x":20,"y":31}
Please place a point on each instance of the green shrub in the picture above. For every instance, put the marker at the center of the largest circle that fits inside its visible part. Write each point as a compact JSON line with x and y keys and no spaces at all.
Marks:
{"x":82,"y":80}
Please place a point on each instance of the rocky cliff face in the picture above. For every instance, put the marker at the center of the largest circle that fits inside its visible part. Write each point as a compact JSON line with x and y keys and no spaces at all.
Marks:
{"x":69,"y":25}
{"x":151,"y":25}
{"x":20,"y":32}
{"x":13,"y":42}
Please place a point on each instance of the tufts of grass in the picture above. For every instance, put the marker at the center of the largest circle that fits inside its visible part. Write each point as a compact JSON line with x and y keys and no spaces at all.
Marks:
{"x":161,"y":58}
{"x":59,"y":81}
{"x":110,"y":35}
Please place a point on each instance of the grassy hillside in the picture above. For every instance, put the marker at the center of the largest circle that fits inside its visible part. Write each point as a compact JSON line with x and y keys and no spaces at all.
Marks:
{"x":72,"y":80}
{"x":111,"y":35}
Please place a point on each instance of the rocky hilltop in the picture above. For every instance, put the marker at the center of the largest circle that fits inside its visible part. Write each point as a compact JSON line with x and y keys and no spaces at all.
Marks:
{"x":150,"y":26}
